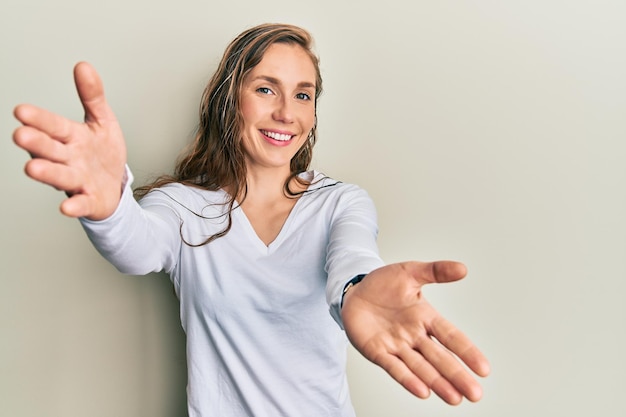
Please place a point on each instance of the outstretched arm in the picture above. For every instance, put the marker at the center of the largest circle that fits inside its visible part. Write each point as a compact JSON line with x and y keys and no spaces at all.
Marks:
{"x":389,"y":322}
{"x":86,"y":160}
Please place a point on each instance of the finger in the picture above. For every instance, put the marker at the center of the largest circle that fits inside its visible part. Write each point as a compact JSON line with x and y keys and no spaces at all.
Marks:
{"x":78,"y":205}
{"x":448,"y":271}
{"x":436,"y":272}
{"x":426,"y":370}
{"x":91,"y":92}
{"x":458,"y":379}
{"x":54,"y":174}
{"x":459,"y":344}
{"x":39,"y":145}
{"x":53,"y":125}
{"x":399,"y":371}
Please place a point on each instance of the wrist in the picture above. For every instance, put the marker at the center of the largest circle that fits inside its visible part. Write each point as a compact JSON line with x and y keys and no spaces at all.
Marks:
{"x":354,"y":281}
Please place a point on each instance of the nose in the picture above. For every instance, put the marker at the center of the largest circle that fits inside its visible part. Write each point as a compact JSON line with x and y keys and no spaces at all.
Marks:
{"x":283,"y":111}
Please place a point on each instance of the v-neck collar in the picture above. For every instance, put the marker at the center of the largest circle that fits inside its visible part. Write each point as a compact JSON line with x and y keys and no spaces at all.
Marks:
{"x":258,"y":243}
{"x":243,"y":219}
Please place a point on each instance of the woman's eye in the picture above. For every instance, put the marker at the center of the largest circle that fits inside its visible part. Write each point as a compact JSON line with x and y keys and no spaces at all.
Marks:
{"x":303,"y":96}
{"x":264,"y":90}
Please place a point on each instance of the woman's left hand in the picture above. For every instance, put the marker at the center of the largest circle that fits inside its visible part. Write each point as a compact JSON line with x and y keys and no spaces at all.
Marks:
{"x":389,"y":321}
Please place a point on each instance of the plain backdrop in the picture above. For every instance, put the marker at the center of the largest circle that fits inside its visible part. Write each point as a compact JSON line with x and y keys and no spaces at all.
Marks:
{"x":491,"y":132}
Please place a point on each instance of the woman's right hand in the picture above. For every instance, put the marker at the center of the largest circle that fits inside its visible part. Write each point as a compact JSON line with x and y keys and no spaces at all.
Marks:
{"x":86,"y":160}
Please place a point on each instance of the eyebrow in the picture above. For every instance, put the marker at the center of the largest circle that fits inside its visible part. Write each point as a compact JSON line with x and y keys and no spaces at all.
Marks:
{"x":276,"y":81}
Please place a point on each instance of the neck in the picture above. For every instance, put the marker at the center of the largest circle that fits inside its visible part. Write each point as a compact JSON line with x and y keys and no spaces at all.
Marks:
{"x":266,"y":183}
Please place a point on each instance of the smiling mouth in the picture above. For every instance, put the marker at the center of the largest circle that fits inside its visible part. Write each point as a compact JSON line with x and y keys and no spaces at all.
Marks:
{"x":277,"y":136}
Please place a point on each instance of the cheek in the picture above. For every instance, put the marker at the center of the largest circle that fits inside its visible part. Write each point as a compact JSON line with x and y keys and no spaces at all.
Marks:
{"x":250,"y":111}
{"x":246,"y":115}
{"x":307,"y":126}
{"x":310,"y":121}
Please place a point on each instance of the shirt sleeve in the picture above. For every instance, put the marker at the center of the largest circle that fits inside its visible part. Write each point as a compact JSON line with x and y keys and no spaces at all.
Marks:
{"x":352,"y":248}
{"x":137,"y":240}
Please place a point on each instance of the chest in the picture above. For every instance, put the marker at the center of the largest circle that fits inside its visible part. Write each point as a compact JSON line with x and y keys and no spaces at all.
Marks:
{"x":240,"y":266}
{"x":267,"y":220}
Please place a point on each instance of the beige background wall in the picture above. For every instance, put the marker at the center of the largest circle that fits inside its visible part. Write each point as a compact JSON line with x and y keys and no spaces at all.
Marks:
{"x":490,"y":132}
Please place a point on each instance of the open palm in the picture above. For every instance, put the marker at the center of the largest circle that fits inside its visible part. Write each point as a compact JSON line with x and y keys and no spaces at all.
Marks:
{"x":389,"y":322}
{"x":86,"y":160}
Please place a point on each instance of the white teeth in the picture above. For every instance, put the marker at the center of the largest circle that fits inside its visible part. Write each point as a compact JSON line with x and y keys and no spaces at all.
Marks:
{"x":276,"y":136}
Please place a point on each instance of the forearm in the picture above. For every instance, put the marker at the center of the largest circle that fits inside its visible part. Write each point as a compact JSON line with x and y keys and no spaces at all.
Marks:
{"x":352,"y":248}
{"x":135,"y":240}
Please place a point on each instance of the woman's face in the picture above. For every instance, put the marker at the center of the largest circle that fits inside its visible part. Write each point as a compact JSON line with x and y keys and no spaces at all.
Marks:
{"x":278,"y":106}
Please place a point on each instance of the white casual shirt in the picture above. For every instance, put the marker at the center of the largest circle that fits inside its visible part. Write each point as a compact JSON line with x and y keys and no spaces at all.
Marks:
{"x":260,"y":339}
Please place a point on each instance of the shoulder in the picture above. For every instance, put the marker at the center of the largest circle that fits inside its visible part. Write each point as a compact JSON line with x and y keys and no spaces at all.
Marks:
{"x":335,"y":194}
{"x":179,"y":196}
{"x":322,"y":182}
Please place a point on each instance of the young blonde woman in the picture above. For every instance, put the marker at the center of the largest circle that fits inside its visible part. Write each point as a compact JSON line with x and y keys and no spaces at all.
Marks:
{"x":274,"y":264}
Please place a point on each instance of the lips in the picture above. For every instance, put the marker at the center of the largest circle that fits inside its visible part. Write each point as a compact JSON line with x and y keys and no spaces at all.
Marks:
{"x":282,"y":137}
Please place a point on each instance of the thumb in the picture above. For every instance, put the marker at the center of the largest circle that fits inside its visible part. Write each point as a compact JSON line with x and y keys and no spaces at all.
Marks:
{"x":436,"y":272}
{"x":91,"y":92}
{"x":78,"y":205}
